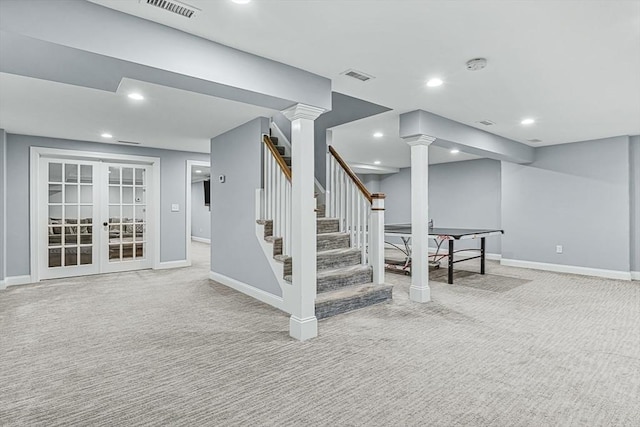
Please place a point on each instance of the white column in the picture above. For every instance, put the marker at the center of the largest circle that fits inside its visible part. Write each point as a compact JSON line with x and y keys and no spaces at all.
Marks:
{"x":376,"y":236}
{"x":419,"y":290}
{"x":303,"y":323}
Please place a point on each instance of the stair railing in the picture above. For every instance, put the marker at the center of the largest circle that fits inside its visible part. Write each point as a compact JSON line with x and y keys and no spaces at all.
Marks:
{"x":277,"y":193}
{"x":361,"y":214}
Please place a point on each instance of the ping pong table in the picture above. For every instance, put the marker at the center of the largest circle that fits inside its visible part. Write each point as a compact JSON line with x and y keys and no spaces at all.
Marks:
{"x":440,"y":235}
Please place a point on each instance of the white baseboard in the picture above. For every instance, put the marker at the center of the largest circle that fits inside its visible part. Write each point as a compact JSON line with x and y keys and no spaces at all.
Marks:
{"x":635,"y":275}
{"x":2,"y":285}
{"x":572,"y":269}
{"x":173,"y":264}
{"x":201,"y":239}
{"x":17,"y":280}
{"x":246,"y":289}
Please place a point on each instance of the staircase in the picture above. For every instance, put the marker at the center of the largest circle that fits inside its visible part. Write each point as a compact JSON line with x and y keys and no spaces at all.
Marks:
{"x":343,"y":282}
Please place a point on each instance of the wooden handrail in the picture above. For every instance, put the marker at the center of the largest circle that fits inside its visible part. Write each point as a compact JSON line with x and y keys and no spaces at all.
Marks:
{"x":352,"y":175}
{"x":283,"y":165}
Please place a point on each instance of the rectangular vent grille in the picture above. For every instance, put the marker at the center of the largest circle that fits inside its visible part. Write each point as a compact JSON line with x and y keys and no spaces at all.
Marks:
{"x":174,"y":6}
{"x":486,"y":122}
{"x":358,"y":75}
{"x":534,"y":140}
{"x":130,"y":142}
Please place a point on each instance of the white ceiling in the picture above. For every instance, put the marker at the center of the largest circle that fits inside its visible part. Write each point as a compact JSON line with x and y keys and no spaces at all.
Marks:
{"x":167,"y":118}
{"x":574,"y":66}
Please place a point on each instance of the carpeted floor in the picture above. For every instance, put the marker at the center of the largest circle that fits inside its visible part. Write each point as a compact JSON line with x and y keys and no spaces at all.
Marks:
{"x":513,"y":348}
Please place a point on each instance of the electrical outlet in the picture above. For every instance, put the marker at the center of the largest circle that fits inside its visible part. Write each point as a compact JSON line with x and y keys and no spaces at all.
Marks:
{"x":559,"y":249}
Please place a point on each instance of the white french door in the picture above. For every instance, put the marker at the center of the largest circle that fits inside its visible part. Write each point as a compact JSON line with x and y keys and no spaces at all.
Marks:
{"x":92,"y":217}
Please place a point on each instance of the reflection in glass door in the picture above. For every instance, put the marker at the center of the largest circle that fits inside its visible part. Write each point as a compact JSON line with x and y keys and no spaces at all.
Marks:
{"x":127,"y":217}
{"x":70,"y":218}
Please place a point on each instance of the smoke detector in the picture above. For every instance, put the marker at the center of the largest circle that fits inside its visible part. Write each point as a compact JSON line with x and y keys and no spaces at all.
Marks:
{"x":174,"y":6}
{"x":476,"y":64}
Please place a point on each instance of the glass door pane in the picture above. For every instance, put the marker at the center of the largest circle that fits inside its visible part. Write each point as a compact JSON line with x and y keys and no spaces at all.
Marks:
{"x":69,"y":218}
{"x":127,"y":216}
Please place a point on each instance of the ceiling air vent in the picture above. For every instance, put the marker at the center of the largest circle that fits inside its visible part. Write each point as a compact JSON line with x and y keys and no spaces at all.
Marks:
{"x":173,"y":6}
{"x":130,"y":142}
{"x":486,"y":122}
{"x":534,"y":140}
{"x":358,"y":75}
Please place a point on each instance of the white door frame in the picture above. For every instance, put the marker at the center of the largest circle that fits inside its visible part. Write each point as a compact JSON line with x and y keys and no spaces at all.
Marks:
{"x":36,"y":153}
{"x":190,"y":164}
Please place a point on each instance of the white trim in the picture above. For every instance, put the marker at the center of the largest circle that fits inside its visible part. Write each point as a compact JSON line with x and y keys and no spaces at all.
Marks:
{"x":635,"y":275}
{"x":3,"y":241}
{"x":173,"y":264}
{"x":259,"y":294}
{"x":2,"y":285}
{"x":201,"y":239}
{"x":36,"y":153}
{"x":18,"y":280}
{"x":187,"y":209}
{"x":571,"y":269}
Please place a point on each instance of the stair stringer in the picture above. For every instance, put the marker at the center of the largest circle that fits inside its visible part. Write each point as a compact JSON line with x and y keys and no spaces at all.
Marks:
{"x":276,"y":266}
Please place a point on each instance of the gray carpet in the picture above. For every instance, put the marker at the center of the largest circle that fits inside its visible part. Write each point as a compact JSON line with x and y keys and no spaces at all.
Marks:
{"x":172,"y":348}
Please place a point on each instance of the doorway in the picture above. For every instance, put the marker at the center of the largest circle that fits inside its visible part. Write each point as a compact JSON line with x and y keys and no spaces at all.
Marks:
{"x":94,"y":213}
{"x":198,"y":212}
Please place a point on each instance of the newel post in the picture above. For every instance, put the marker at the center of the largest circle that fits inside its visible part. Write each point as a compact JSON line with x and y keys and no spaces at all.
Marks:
{"x":377,"y":238}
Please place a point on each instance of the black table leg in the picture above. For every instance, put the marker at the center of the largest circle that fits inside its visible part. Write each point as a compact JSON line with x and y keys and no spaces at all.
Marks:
{"x":482,"y":255}
{"x":450,"y":262}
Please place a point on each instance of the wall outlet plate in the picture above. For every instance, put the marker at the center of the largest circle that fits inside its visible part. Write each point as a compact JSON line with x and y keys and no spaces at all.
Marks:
{"x":175,"y":207}
{"x":559,"y":249}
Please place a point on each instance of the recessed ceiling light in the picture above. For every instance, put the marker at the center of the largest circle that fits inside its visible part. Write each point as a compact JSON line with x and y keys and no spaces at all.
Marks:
{"x":136,"y":96}
{"x":377,"y":162}
{"x":527,"y":122}
{"x":241,"y":1}
{"x":435,"y":82}
{"x":455,"y":151}
{"x":106,"y":135}
{"x":378,"y":135}
{"x":198,"y":171}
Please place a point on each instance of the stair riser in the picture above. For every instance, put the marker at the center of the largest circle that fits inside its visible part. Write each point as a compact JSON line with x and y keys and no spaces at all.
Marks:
{"x":327,"y":226}
{"x":333,"y":308}
{"x":277,"y":246}
{"x":268,"y":228}
{"x":332,"y":242}
{"x":328,"y":262}
{"x":331,"y":261}
{"x":326,"y":284}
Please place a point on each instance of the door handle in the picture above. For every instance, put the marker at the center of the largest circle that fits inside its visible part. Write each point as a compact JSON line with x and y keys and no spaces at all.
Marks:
{"x":105,"y":223}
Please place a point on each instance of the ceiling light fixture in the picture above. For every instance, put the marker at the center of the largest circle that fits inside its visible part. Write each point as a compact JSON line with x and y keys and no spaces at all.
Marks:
{"x":198,"y":171}
{"x":455,"y":151}
{"x":378,"y":135}
{"x":136,"y":96}
{"x":241,"y":1}
{"x":106,"y":135}
{"x":527,"y":122}
{"x":435,"y":82}
{"x":377,"y":162}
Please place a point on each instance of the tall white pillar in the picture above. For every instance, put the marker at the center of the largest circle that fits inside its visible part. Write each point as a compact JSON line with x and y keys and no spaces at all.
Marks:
{"x":419,"y":290}
{"x":303,"y":324}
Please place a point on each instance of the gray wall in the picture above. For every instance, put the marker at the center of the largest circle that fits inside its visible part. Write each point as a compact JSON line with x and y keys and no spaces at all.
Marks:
{"x":237,"y":253}
{"x":635,"y":202}
{"x":371,"y":181}
{"x":3,"y":183}
{"x":575,"y":195}
{"x":200,"y":214}
{"x":461,"y":194}
{"x":172,"y":182}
